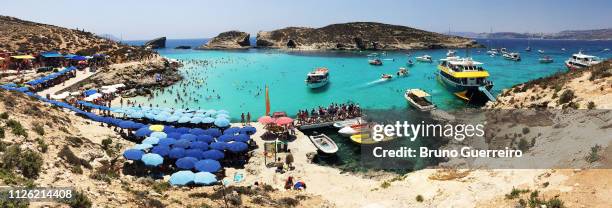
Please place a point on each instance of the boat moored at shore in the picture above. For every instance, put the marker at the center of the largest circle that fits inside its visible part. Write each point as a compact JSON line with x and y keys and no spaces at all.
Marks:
{"x":467,"y":79}
{"x":324,"y":144}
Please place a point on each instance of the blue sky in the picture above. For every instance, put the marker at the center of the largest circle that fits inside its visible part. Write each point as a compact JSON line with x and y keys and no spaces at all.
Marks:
{"x":132,"y":19}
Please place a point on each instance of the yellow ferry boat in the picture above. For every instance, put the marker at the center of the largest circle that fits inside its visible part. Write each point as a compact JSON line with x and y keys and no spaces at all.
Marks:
{"x":467,"y":79}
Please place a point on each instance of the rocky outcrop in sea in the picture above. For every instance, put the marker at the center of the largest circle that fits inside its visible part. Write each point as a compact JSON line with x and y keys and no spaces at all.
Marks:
{"x":229,"y":40}
{"x":359,"y":36}
{"x":156,"y":43}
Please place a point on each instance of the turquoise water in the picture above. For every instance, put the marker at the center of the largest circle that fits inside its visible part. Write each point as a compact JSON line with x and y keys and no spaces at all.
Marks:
{"x":239,"y":77}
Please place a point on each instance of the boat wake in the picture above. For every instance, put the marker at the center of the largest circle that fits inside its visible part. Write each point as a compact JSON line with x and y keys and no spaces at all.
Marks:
{"x":378,"y":81}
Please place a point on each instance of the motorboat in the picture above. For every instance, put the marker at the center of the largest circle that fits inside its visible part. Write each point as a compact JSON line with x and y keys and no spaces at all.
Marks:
{"x":512,"y":56}
{"x":451,"y":53}
{"x":562,"y":49}
{"x":540,"y":51}
{"x":364,"y":138}
{"x":419,"y":99}
{"x":546,"y":60}
{"x":424,"y":58}
{"x":375,"y":62}
{"x":528,"y":49}
{"x":493,"y":52}
{"x":348,"y":131}
{"x":317,"y":78}
{"x":402,"y":72}
{"x":580,"y":60}
{"x":503,"y":50}
{"x":386,"y":77}
{"x":409,"y":63}
{"x":324,"y":143}
{"x":466,"y":78}
{"x":348,"y":122}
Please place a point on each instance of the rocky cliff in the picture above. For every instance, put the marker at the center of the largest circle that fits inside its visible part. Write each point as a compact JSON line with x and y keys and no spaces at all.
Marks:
{"x":589,"y":88}
{"x":229,"y":40}
{"x":359,"y":36}
{"x":156,"y":43}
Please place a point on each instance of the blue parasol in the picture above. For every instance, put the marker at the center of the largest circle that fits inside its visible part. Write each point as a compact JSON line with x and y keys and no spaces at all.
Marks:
{"x":214,"y":132}
{"x":182,"y":178}
{"x":176,"y":153}
{"x":152,"y":159}
{"x":183,"y":130}
{"x":223,"y":112}
{"x":186,"y":163}
{"x":142,"y":132}
{"x":241,"y":138}
{"x":199,"y":145}
{"x":166,"y":141}
{"x":194,"y":153}
{"x":151,"y":140}
{"x":172,"y":119}
{"x":232,"y":130}
{"x":133,"y":154}
{"x":208,"y":165}
{"x":174,"y":135}
{"x":182,"y":143}
{"x":196,"y":120}
{"x":188,"y":137}
{"x":208,"y":120}
{"x":225,"y":138}
{"x":222,"y":122}
{"x":159,"y":135}
{"x":213,"y":155}
{"x":142,"y":146}
{"x":237,"y":147}
{"x":217,"y":145}
{"x":197,"y":131}
{"x":161,"y":150}
{"x":184,"y":119}
{"x":204,"y":178}
{"x":205,"y":138}
{"x":248,"y":130}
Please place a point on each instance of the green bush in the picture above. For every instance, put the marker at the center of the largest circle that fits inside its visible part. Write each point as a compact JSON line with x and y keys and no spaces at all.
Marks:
{"x":12,"y":203}
{"x":515,"y":193}
{"x":27,"y":161}
{"x":42,"y":146}
{"x":566,"y":96}
{"x":161,"y":187}
{"x":419,"y":198}
{"x":555,"y":203}
{"x":591,"y":105}
{"x":72,"y":159}
{"x":593,"y":156}
{"x":38,"y":128}
{"x":4,"y":115}
{"x":523,"y":145}
{"x":2,"y":132}
{"x":288,"y":202}
{"x":78,"y":200}
{"x":17,"y":128}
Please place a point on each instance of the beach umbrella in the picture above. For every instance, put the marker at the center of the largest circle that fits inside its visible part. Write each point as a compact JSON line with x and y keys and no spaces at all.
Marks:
{"x":197,"y":131}
{"x":222,"y":122}
{"x":189,"y":137}
{"x":156,"y":128}
{"x":283,"y":121}
{"x":197,"y":153}
{"x":184,"y":119}
{"x":237,"y":147}
{"x":208,"y":165}
{"x":152,"y":159}
{"x":213,"y":154}
{"x":127,"y":124}
{"x":133,"y":154}
{"x":161,"y":150}
{"x":170,"y":129}
{"x":142,"y":146}
{"x":222,"y":116}
{"x":161,"y":117}
{"x":232,"y":130}
{"x":183,"y":130}
{"x":265,"y":120}
{"x":196,"y":120}
{"x":186,"y":163}
{"x":205,"y":138}
{"x":210,"y":113}
{"x":204,"y":178}
{"x":182,"y":143}
{"x":199,"y":145}
{"x":217,"y":145}
{"x":166,"y":141}
{"x":142,"y":132}
{"x":208,"y":120}
{"x":174,"y":135}
{"x":159,"y":135}
{"x":173,"y":118}
{"x":137,"y":115}
{"x":182,"y":178}
{"x":214,"y":132}
{"x":176,"y":153}
{"x":223,"y":112}
{"x":150,"y":140}
{"x":242,"y":138}
{"x":248,"y":130}
{"x":225,"y":138}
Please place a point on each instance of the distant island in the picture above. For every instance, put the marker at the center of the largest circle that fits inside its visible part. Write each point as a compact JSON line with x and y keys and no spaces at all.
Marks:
{"x":598,"y":34}
{"x":345,"y":36}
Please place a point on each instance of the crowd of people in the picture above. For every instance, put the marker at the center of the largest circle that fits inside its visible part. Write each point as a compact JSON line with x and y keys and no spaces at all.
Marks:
{"x":333,"y":112}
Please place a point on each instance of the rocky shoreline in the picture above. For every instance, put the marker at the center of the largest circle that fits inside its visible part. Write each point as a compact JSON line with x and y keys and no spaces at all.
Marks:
{"x":228,"y":40}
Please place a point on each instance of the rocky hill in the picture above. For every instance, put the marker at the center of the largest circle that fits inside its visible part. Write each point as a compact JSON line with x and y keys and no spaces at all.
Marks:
{"x":600,"y":34}
{"x":590,"y":88}
{"x":23,"y":36}
{"x":156,"y":43}
{"x":359,"y":36}
{"x":229,"y":40}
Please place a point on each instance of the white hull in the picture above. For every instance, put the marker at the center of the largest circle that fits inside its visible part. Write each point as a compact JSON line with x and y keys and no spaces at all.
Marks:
{"x":316,"y":84}
{"x":324,"y":143}
{"x":349,"y":122}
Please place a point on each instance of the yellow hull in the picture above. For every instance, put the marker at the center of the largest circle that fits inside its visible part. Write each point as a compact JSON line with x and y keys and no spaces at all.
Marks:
{"x":365,"y":139}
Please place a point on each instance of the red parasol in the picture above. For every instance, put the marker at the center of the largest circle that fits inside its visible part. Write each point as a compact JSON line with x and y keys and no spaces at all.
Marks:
{"x":266,"y":120}
{"x":284,"y":121}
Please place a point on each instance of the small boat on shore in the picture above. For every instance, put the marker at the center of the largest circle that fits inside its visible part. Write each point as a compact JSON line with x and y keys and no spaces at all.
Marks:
{"x":366,"y":139}
{"x":418,"y":99}
{"x":348,"y":122}
{"x":317,"y":78}
{"x":402,"y":72}
{"x":424,"y":58}
{"x":324,"y":143}
{"x":546,"y":60}
{"x":375,"y":62}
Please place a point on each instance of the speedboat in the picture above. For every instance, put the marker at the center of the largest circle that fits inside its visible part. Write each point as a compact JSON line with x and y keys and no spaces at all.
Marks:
{"x":364,"y":138}
{"x":409,"y":63}
{"x":317,"y":78}
{"x":402,"y":72}
{"x":386,"y":77}
{"x":503,"y":51}
{"x":512,"y":56}
{"x":546,"y":60}
{"x":324,"y":143}
{"x":424,"y":58}
{"x":563,"y":49}
{"x":580,"y":60}
{"x":450,"y":53}
{"x":540,"y":51}
{"x":376,"y":62}
{"x":418,"y":99}
{"x":348,"y":122}
{"x":528,"y":49}
{"x":467,"y":79}
{"x":492,"y":52}
{"x":348,"y":131}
